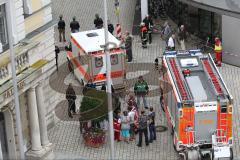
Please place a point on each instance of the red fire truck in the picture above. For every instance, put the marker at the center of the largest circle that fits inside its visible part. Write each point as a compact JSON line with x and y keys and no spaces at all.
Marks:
{"x":89,"y":60}
{"x":198,"y":106}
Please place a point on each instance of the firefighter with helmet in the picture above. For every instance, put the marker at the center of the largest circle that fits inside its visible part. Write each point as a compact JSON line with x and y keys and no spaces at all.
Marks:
{"x":144,"y":33}
{"x":218,"y":52}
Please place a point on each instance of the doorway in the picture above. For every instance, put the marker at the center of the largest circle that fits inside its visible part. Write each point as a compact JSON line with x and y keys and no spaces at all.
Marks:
{"x":3,"y":138}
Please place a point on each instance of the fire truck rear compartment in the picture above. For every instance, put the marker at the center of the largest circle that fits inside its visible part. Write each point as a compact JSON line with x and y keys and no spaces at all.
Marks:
{"x":201,"y":71}
{"x":200,"y":105}
{"x":201,"y":86}
{"x":205,"y":125}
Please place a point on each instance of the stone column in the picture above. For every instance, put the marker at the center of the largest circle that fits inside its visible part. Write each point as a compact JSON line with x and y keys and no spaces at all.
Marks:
{"x":41,"y":115}
{"x":33,"y":120}
{"x":144,"y":8}
{"x":1,"y":156}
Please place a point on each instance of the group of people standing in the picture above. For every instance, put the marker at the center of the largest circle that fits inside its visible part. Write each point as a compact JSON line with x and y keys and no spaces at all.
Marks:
{"x":133,"y":121}
{"x":171,"y":38}
{"x":75,"y":26}
{"x":167,"y":34}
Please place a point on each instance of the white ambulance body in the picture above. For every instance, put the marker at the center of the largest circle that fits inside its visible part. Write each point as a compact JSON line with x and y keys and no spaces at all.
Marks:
{"x":89,"y":60}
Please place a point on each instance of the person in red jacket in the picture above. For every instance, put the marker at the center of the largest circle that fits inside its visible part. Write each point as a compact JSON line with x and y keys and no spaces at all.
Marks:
{"x":144,"y":33}
{"x":218,"y":51}
{"x":117,"y":127}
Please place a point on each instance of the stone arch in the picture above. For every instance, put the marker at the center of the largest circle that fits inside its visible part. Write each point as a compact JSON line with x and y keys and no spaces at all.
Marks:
{"x":8,"y":113}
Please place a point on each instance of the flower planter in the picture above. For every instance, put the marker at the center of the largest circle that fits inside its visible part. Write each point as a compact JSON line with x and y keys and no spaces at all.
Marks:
{"x":94,"y":138}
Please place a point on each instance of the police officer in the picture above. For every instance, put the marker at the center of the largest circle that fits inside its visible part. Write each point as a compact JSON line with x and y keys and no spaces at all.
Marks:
{"x":74,"y":25}
{"x":61,"y":29}
{"x":98,"y":22}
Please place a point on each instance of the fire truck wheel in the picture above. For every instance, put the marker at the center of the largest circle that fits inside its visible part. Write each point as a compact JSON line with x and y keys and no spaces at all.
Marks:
{"x":185,"y":157}
{"x":174,"y":143}
{"x":193,"y":155}
{"x":172,"y":132}
{"x":176,"y":148}
{"x":231,"y":154}
{"x":212,"y":154}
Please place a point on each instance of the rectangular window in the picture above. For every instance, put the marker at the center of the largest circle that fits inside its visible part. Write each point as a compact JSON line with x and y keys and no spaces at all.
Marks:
{"x":3,"y":27}
{"x":114,"y":59}
{"x":98,"y":62}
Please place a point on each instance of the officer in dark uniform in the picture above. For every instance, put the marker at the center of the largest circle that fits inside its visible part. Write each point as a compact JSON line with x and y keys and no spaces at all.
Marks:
{"x":110,"y":27}
{"x":61,"y":29}
{"x":98,"y":22}
{"x":74,"y":25}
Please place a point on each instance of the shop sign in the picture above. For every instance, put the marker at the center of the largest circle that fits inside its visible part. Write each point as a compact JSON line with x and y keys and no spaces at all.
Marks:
{"x":10,"y":92}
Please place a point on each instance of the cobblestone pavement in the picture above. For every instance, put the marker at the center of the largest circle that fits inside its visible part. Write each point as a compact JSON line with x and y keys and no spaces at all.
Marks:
{"x":65,"y":135}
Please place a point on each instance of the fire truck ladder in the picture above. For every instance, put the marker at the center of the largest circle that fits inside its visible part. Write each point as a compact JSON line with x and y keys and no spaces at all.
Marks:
{"x":223,"y":122}
{"x":212,"y":76}
{"x":221,"y":132}
{"x":179,"y":79}
{"x":220,"y":137}
{"x":191,"y":137}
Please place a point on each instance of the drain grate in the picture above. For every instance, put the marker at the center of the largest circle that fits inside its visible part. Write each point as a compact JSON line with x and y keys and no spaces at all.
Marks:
{"x":161,"y":128}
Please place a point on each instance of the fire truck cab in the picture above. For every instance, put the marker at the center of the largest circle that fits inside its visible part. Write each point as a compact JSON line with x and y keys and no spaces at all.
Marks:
{"x":198,"y":106}
{"x":89,"y":60}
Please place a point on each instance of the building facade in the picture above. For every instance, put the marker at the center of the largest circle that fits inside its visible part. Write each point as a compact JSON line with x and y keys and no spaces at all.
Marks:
{"x":210,"y":18}
{"x":33,"y":35}
{"x":214,"y":18}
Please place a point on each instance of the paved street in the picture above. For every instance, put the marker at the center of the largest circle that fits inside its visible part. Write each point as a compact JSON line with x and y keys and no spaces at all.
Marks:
{"x":66,"y":134}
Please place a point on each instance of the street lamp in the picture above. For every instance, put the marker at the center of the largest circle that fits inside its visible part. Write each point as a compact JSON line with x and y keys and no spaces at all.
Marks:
{"x":14,"y":80}
{"x":109,"y":88}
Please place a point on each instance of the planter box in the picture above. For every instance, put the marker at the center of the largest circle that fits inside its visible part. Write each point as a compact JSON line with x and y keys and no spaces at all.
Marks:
{"x":94,"y":139}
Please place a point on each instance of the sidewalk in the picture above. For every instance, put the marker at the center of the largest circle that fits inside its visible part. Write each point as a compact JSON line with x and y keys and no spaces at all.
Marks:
{"x":66,"y":134}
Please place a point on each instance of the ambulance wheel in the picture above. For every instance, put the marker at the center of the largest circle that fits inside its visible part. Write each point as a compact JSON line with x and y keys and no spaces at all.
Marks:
{"x":82,"y":82}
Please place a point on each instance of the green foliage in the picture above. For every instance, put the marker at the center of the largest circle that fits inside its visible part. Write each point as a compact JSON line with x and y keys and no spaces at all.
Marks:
{"x":94,"y":106}
{"x":89,"y":103}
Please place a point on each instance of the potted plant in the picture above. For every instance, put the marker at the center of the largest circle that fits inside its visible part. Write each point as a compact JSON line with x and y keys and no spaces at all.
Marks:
{"x":90,"y":106}
{"x":94,"y":108}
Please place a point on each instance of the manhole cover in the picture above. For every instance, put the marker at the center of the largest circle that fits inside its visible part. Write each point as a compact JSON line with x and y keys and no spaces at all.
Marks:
{"x":161,"y":128}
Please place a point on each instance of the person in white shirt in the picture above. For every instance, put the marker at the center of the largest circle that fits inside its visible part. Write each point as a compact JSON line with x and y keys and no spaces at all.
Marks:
{"x":171,"y":43}
{"x":131,"y":115}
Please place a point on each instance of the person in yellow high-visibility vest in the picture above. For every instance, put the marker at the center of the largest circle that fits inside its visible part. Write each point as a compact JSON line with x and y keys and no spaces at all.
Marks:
{"x":218,"y":52}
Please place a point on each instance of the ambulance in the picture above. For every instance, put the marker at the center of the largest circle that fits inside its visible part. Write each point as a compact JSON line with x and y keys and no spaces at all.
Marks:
{"x":88,"y":59}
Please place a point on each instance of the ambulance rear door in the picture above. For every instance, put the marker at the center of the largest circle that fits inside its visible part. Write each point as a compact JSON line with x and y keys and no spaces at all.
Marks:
{"x":98,"y":68}
{"x":118,"y":67}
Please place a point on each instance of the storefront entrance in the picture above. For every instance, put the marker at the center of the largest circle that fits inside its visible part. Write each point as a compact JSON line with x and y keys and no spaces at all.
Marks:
{"x":3,"y":142}
{"x":199,"y":22}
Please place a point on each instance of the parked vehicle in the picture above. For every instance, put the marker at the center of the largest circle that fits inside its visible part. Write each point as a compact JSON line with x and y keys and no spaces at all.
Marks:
{"x":199,"y":107}
{"x":89,"y":59}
